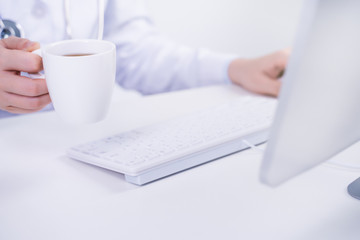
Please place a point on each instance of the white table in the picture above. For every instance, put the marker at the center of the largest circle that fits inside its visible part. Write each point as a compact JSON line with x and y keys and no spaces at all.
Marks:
{"x":45,"y":195}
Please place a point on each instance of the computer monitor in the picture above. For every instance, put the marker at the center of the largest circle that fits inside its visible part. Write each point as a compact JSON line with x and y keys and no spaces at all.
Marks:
{"x":318,"y":114}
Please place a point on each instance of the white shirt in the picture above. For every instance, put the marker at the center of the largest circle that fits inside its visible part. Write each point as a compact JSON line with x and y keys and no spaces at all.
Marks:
{"x":147,"y":60}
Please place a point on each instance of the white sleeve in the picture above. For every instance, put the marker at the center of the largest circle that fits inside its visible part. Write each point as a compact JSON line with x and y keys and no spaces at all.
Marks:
{"x":150,"y":62}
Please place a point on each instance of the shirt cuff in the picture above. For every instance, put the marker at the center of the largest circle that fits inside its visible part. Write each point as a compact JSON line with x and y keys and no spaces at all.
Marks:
{"x":214,"y":69}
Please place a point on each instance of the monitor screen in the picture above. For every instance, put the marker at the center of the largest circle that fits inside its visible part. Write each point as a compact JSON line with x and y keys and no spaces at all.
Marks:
{"x":318,"y":114}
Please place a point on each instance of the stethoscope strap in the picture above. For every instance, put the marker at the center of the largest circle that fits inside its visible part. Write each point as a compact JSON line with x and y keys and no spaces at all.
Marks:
{"x":101,"y":16}
{"x":101,"y":13}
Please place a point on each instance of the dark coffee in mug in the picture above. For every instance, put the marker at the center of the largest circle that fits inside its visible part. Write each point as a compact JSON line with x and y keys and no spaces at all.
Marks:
{"x":78,"y":54}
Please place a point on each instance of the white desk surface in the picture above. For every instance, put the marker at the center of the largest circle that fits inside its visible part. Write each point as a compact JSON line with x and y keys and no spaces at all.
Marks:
{"x":45,"y":195}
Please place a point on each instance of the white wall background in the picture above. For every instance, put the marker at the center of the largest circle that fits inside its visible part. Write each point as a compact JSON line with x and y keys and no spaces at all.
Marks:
{"x":246,"y":27}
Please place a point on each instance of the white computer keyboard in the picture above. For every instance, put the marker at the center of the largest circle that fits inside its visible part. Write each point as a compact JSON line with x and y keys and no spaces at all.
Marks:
{"x":153,"y":152}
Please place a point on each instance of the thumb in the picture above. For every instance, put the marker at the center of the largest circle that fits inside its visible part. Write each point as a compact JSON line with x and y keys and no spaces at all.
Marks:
{"x":276,"y":63}
{"x":20,"y":44}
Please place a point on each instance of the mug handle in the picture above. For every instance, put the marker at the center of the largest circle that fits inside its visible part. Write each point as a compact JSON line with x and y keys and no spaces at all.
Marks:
{"x":35,"y":75}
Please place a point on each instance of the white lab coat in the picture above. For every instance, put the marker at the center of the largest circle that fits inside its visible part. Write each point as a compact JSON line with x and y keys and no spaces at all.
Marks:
{"x":147,"y":60}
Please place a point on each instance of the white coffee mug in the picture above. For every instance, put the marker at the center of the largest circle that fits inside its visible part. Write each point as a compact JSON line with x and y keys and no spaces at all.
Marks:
{"x":80,"y":75}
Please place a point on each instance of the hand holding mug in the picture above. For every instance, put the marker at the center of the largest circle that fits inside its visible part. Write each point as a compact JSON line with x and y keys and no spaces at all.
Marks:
{"x":20,"y":94}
